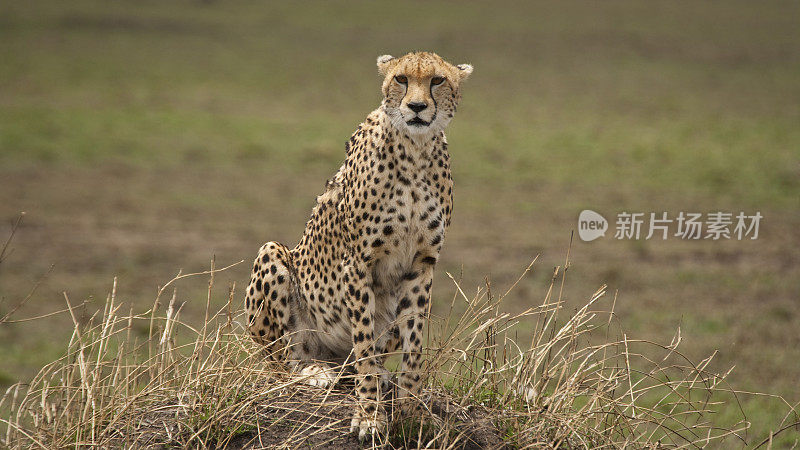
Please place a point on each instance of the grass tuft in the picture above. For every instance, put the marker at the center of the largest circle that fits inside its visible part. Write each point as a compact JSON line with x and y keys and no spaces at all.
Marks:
{"x":581,"y":382}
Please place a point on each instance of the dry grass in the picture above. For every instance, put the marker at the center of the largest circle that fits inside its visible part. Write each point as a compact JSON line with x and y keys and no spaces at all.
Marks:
{"x":579,"y":383}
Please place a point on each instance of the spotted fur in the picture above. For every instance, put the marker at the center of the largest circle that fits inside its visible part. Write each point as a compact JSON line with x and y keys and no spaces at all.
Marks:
{"x":358,"y":284}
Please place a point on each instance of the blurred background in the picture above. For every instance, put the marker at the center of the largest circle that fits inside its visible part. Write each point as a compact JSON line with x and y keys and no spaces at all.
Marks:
{"x":145,"y":137}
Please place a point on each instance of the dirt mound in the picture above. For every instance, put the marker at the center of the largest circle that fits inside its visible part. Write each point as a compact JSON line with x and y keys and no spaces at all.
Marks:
{"x":303,"y":416}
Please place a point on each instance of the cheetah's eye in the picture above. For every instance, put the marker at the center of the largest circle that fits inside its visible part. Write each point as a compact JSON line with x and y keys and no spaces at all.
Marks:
{"x":402,"y":79}
{"x":435,"y":81}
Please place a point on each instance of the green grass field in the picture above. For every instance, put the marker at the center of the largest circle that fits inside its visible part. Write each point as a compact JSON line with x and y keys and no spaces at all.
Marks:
{"x":145,"y":137}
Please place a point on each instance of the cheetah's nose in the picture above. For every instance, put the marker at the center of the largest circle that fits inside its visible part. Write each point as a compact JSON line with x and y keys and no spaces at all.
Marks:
{"x":417,"y":106}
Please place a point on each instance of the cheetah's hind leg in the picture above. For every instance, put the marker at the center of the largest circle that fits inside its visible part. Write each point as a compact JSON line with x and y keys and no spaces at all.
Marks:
{"x":260,"y":322}
{"x":277,"y":318}
{"x":272,"y":307}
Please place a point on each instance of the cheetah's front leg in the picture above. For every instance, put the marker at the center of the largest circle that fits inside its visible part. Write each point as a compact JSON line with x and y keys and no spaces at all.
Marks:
{"x":415,"y":294}
{"x":369,"y":418}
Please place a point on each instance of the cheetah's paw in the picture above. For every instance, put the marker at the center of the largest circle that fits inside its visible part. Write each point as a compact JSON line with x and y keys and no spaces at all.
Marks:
{"x":318,"y":375}
{"x":368,"y":425}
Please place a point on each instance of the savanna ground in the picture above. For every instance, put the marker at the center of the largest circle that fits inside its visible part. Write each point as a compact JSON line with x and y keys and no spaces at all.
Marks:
{"x":141,"y":138}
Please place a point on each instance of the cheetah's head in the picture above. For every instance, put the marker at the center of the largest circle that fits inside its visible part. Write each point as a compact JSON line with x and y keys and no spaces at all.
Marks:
{"x":421,"y":90}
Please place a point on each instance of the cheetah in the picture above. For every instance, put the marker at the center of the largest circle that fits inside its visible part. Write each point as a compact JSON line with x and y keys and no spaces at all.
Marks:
{"x":358,"y":284}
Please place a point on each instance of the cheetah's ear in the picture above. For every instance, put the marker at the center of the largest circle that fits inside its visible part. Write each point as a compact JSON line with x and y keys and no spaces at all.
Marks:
{"x":464,"y":71}
{"x":385,"y":62}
